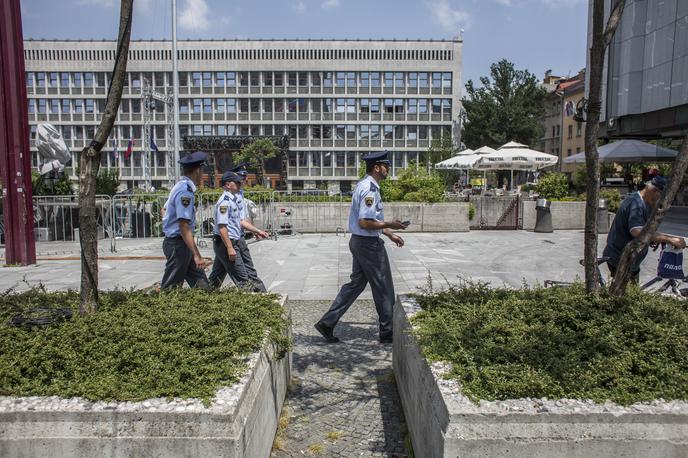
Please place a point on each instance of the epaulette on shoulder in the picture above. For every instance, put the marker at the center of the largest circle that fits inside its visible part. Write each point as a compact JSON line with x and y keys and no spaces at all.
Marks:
{"x":189,"y":188}
{"x":373,"y":188}
{"x":226,"y":197}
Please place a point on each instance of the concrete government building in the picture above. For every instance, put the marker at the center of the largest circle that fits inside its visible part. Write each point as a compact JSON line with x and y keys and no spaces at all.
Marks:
{"x":335,"y":99}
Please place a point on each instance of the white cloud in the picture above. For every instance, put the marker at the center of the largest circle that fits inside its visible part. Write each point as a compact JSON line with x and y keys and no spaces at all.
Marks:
{"x":328,"y":4}
{"x":299,"y":6}
{"x":450,"y":19}
{"x":194,"y":15}
{"x":104,"y":3}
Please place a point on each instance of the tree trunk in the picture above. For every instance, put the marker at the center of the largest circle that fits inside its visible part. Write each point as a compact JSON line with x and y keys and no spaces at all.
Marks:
{"x":600,"y":42}
{"x":633,"y":249}
{"x":89,"y":163}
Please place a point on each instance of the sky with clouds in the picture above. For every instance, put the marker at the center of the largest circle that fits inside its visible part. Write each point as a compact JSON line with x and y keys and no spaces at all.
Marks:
{"x":533,"y":34}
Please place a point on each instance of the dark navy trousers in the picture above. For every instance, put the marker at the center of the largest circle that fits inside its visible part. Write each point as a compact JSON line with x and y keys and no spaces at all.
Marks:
{"x":180,"y":265}
{"x":370,"y":265}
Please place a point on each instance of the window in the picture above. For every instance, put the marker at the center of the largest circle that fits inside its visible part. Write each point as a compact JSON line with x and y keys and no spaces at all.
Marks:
{"x":351,"y":105}
{"x":315,"y":79}
{"x":89,"y":106}
{"x":303,"y":159}
{"x":29,"y":79}
{"x":327,"y":159}
{"x":351,"y":79}
{"x":327,"y":79}
{"x":207,"y":129}
{"x":196,"y":78}
{"x":53,"y":79}
{"x":422,"y":132}
{"x":302,"y":131}
{"x":32,"y":106}
{"x":220,"y":79}
{"x":136,"y":105}
{"x":243,"y":79}
{"x":67,"y":132}
{"x":339,"y":132}
{"x":183,"y":106}
{"x":231,"y":79}
{"x":78,"y":133}
{"x":124,"y":106}
{"x":375,"y":79}
{"x":303,"y":79}
{"x":436,"y":80}
{"x":64,"y":80}
{"x":315,"y":105}
{"x":374,"y":105}
{"x":388,"y":132}
{"x":88,"y":80}
{"x":220,"y":105}
{"x":364,"y":79}
{"x":365,"y":106}
{"x":159,"y":79}
{"x":364,"y":132}
{"x":76,"y":79}
{"x":570,"y":134}
{"x":411,"y":133}
{"x":375,"y":132}
{"x":398,"y":159}
{"x":279,"y":105}
{"x":267,"y":105}
{"x":316,"y":159}
{"x":279,"y":79}
{"x":389,"y":79}
{"x":558,"y":130}
{"x":78,"y":106}
{"x":183,"y":78}
{"x":316,"y":132}
{"x":327,"y":105}
{"x":552,"y":131}
{"x":254,"y":105}
{"x":268,"y":129}
{"x":351,"y":132}
{"x":255,"y":79}
{"x":243,"y":105}
{"x":579,"y":127}
{"x":40,"y":79}
{"x":399,"y":106}
{"x":389,"y":105}
{"x":447,"y":80}
{"x":341,"y":77}
{"x":436,"y":106}
{"x":291,"y":105}
{"x":291,"y":79}
{"x":399,"y":79}
{"x":327,"y":132}
{"x":340,"y":159}
{"x":412,"y":106}
{"x":341,"y":105}
{"x":197,"y":103}
{"x":413,"y":79}
{"x":399,"y":132}
{"x":422,"y":80}
{"x":446,"y":106}
{"x":267,"y":79}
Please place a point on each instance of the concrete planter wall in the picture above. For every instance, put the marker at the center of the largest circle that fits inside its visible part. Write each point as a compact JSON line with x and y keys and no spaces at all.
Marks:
{"x":444,"y":423}
{"x":241,"y":422}
{"x":309,"y":217}
{"x":565,"y":215}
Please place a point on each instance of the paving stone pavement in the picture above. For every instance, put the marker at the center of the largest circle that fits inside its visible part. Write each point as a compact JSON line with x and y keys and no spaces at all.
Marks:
{"x":343,"y":399}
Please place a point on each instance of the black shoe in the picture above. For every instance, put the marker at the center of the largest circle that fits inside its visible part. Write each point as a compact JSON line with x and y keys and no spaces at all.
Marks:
{"x":386,"y":339}
{"x":326,"y":331}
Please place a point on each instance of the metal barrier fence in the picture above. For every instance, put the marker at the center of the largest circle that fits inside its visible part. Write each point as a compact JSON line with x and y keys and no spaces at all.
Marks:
{"x":137,"y":215}
{"x":302,"y":211}
{"x":56,"y":218}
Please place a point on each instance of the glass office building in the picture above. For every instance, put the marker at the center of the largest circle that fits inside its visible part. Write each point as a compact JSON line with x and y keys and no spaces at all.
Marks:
{"x":336,"y":100}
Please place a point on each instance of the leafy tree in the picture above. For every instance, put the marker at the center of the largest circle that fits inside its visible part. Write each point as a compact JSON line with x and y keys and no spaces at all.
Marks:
{"x":256,"y":153}
{"x":509,"y":106}
{"x":107,"y":182}
{"x":553,"y":186}
{"x":62,"y":187}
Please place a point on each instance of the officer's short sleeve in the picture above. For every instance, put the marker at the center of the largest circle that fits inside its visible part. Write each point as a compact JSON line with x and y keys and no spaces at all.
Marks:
{"x":367,"y":205}
{"x":222,"y":213}
{"x":636,"y":216}
{"x":241,"y":205}
{"x":184,"y":203}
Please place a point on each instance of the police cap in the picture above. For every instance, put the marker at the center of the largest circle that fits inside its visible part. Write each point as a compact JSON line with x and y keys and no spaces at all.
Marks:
{"x":379,"y":157}
{"x":230,"y":176}
{"x":241,"y":169}
{"x":194,"y":159}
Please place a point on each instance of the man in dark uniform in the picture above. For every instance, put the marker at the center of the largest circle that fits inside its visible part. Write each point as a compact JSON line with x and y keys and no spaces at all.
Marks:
{"x":629,"y":221}
{"x":370,"y":261}
{"x":184,"y":261}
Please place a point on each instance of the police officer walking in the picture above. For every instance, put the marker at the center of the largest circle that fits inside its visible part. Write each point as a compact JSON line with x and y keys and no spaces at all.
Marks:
{"x":370,"y":261}
{"x":218,"y":273}
{"x":184,"y":261}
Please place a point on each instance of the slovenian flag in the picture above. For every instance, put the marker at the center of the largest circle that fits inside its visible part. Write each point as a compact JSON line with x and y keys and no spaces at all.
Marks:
{"x":114,"y":148}
{"x":153,"y":146}
{"x":130,"y":149}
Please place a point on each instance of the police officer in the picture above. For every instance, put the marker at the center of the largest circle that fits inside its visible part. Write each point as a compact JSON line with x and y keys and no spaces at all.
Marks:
{"x":370,"y":261}
{"x":227,"y":233}
{"x":184,"y":261}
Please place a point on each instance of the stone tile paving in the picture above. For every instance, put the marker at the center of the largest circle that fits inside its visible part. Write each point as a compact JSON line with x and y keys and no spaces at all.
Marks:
{"x":343,"y":399}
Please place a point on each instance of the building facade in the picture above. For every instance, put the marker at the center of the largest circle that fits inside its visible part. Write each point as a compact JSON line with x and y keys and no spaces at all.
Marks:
{"x":336,"y":100}
{"x":645,"y":86}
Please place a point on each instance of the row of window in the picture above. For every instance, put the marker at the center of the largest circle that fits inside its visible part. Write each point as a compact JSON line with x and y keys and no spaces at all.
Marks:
{"x":556,"y":130}
{"x":300,"y":132}
{"x":243,"y":54}
{"x":314,"y":159}
{"x":246,"y":79}
{"x":252,"y":105}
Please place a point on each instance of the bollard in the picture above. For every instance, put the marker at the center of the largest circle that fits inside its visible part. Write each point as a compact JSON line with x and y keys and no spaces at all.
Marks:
{"x":543,"y":217}
{"x":602,"y":217}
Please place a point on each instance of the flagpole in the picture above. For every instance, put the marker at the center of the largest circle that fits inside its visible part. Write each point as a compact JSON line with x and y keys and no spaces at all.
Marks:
{"x":175,"y":79}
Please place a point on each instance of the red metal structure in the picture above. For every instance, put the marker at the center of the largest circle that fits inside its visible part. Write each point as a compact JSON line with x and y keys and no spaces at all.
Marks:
{"x":15,"y":155}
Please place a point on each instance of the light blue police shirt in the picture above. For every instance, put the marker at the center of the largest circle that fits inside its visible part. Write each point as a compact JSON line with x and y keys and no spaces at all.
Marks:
{"x":179,"y":205}
{"x":366,"y":203}
{"x":228,"y":213}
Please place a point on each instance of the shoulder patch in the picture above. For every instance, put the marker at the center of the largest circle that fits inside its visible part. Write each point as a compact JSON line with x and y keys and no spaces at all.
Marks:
{"x":369,"y":201}
{"x":223,"y":209}
{"x":186,"y":200}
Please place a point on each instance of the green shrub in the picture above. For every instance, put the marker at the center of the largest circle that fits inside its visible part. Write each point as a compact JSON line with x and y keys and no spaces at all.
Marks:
{"x":553,"y":186}
{"x":527,"y":187}
{"x":414,"y":196}
{"x":184,"y":343}
{"x":471,"y":211}
{"x":613,"y":197}
{"x":557,"y":343}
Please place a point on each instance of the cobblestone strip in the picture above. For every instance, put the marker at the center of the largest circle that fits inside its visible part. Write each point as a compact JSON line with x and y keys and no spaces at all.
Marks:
{"x":343,"y":399}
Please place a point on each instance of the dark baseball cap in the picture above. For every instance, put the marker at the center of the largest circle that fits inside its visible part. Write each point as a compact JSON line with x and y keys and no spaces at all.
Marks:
{"x":231,"y":176}
{"x":659,"y":182}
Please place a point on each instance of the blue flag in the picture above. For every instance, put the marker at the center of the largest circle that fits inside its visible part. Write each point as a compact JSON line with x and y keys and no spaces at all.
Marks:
{"x":153,"y":146}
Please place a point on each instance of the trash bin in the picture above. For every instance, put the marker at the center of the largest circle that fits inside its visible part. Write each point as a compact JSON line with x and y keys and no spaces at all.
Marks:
{"x":543,"y":216}
{"x":602,"y":217}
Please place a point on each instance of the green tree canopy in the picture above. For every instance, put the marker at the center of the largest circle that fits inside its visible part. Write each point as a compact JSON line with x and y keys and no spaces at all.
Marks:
{"x":256,"y":153}
{"x":508,"y":106}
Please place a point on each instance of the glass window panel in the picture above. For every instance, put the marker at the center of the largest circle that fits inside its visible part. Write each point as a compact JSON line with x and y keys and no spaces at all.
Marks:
{"x":351,"y":105}
{"x":340,"y":159}
{"x":365,"y":106}
{"x":341,"y":105}
{"x":291,"y":79}
{"x":255,"y":105}
{"x":422,"y":105}
{"x":327,"y":79}
{"x":399,"y":132}
{"x":53,"y":77}
{"x":327,"y":132}
{"x":243,"y":105}
{"x":436,"y":80}
{"x":399,"y":79}
{"x":327,"y":159}
{"x":88,"y":79}
{"x":389,"y":105}
{"x":422,"y":132}
{"x":197,"y":104}
{"x":375,"y":79}
{"x":327,"y":105}
{"x":220,"y":79}
{"x":340,"y":132}
{"x":267,"y":105}
{"x":64,"y":80}
{"x":413,"y":79}
{"x":207,"y":105}
{"x":279,"y":105}
{"x":447,"y":80}
{"x":89,"y":105}
{"x":411,"y":132}
{"x":374,"y":105}
{"x":255,"y":79}
{"x":291,"y":105}
{"x":54,"y":106}
{"x":220,"y":105}
{"x":40,"y":79}
{"x":303,"y":105}
{"x":76,"y":79}
{"x":351,"y":79}
{"x":243,"y":79}
{"x":65,"y":106}
{"x":315,"y":79}
{"x":398,"y":105}
{"x":196,"y":79}
{"x":183,"y":78}
{"x":78,"y":106}
{"x":267,"y":79}
{"x":364,"y":79}
{"x":389,"y":79}
{"x":375,"y":132}
{"x":315,"y":105}
{"x":279,"y":79}
{"x":303,"y":78}
{"x":341,"y":79}
{"x":364,"y":132}
{"x":231,"y":79}
{"x":423,"y":79}
{"x":446,"y":106}
{"x":303,"y":159}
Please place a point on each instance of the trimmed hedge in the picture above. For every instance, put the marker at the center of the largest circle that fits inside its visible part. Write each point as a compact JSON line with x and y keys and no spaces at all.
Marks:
{"x":557,"y":343}
{"x":184,"y":343}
